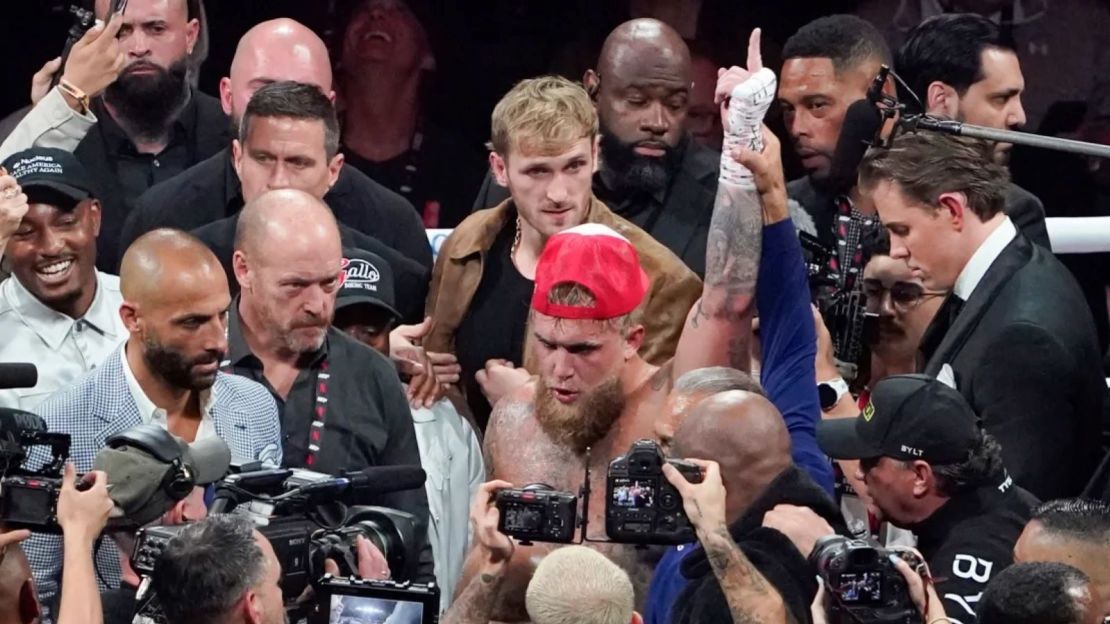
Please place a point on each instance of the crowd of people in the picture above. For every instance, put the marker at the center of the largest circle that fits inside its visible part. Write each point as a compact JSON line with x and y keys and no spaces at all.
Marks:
{"x":884,"y":349}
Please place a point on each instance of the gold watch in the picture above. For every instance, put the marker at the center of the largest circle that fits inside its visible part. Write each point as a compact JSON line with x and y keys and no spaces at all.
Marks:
{"x":76,"y":93}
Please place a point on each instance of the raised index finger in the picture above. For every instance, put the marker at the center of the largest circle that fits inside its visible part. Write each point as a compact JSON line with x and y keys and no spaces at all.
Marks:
{"x":755,"y":57}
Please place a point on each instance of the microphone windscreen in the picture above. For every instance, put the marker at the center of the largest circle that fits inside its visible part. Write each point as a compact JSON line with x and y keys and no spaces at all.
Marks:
{"x":386,"y":479}
{"x":862,"y":122}
{"x":18,"y":375}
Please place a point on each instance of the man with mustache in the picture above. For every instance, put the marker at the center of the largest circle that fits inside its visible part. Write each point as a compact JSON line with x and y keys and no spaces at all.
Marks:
{"x":653,"y":173}
{"x":175,"y":302}
{"x":56,"y":310}
{"x":151,"y":124}
{"x":342,"y":405}
{"x":593,"y":391}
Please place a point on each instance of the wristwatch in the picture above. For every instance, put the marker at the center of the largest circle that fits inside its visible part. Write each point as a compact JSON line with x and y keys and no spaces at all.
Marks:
{"x":830,"y":392}
{"x":76,"y":93}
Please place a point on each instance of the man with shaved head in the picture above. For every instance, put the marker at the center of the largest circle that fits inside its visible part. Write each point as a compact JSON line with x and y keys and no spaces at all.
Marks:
{"x":1072,"y":531}
{"x":342,"y":404}
{"x":653,"y":173}
{"x":175,"y":303}
{"x":303,"y":156}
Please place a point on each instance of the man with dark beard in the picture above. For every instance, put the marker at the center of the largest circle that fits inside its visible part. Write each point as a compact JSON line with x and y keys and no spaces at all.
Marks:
{"x":593,"y":391}
{"x":653,"y":173}
{"x":175,"y":302}
{"x":151,"y":124}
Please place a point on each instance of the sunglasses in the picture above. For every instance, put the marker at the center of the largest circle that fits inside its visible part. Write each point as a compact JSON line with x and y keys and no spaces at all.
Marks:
{"x":903,"y":295}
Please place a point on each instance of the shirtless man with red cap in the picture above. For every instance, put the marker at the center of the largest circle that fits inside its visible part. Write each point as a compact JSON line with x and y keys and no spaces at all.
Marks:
{"x":592,"y":389}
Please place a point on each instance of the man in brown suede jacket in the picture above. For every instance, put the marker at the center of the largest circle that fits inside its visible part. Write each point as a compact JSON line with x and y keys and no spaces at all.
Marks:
{"x":545,"y":151}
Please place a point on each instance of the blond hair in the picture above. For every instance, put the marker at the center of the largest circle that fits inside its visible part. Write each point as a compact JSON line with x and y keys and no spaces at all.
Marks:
{"x":542,"y":116}
{"x":578,"y":585}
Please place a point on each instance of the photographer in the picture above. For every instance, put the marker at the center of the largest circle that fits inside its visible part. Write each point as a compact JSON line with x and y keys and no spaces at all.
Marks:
{"x":930,"y":469}
{"x":476,"y":603}
{"x":751,"y":598}
{"x":82,"y":515}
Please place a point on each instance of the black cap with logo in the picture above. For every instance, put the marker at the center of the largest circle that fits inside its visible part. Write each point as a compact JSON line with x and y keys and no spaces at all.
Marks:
{"x":368,"y":280}
{"x":51,"y":176}
{"x":908,"y":417}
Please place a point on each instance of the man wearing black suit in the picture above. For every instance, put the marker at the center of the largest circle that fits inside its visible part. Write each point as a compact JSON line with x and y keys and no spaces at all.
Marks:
{"x":1015,"y":330}
{"x":652,"y":171}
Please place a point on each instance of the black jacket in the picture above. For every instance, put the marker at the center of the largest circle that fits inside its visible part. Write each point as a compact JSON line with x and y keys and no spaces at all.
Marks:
{"x":1025,"y":355}
{"x":681,"y":225}
{"x":410,"y":277}
{"x":771,"y":552}
{"x":210,"y":191}
{"x":1023,"y":208}
{"x":206,"y":132}
{"x":970,"y":540}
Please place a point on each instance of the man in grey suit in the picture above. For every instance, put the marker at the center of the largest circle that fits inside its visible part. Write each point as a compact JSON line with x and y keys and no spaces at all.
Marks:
{"x":1015,"y":331}
{"x":167,"y":373}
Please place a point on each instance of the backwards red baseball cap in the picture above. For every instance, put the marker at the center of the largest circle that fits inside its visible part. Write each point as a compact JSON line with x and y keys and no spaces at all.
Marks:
{"x":598,"y":259}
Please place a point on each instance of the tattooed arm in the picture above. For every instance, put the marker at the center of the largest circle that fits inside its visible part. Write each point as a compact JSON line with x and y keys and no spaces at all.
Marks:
{"x":751,"y":598}
{"x":492,"y":552}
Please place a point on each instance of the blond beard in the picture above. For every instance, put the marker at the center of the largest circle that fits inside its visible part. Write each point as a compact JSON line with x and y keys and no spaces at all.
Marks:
{"x":581,"y":425}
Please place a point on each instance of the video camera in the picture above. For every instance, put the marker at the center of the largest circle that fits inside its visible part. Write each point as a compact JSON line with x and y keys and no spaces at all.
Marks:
{"x":28,"y":498}
{"x":863,"y":584}
{"x":357,"y":601}
{"x":641,"y":507}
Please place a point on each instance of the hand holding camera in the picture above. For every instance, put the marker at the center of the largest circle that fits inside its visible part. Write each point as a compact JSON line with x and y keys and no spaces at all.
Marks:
{"x":704,"y":502}
{"x":371,"y":562}
{"x":96,"y":60}
{"x":486,"y":518}
{"x":800,"y":524}
{"x":83,"y":507}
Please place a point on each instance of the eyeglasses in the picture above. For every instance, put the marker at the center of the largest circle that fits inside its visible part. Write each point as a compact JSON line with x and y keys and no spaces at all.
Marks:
{"x":904,"y":296}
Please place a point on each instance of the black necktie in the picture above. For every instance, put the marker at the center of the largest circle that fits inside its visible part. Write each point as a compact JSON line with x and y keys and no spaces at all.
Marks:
{"x":953,"y":307}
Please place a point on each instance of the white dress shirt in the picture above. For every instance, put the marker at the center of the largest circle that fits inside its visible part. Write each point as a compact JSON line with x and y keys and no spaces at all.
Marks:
{"x":983,"y":258}
{"x":60,"y":347}
{"x":151,"y":413}
{"x":452,"y":458}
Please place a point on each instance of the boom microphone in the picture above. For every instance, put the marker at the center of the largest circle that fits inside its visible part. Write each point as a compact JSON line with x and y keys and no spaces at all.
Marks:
{"x":18,"y":376}
{"x":861,"y":125}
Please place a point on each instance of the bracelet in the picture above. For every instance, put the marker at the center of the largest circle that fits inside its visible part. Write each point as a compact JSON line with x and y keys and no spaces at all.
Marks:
{"x":76,"y":93}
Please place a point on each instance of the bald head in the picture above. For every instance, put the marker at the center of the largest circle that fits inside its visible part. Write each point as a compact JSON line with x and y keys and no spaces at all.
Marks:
{"x":745,"y":434}
{"x":288,"y":260}
{"x":17,"y":597}
{"x":162,"y":264}
{"x":281,"y":221}
{"x":276,"y":50}
{"x":641,"y":46}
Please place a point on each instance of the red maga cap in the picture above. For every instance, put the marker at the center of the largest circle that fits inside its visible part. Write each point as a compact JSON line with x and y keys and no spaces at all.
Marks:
{"x":600,"y":260}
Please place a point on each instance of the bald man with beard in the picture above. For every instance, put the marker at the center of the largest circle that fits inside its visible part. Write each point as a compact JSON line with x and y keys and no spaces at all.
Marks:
{"x":653,"y":173}
{"x":274,"y":51}
{"x":745,"y":434}
{"x":175,"y":302}
{"x":343,"y":408}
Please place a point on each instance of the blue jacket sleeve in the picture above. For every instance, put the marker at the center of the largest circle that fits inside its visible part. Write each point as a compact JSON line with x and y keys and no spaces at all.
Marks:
{"x":789,"y":343}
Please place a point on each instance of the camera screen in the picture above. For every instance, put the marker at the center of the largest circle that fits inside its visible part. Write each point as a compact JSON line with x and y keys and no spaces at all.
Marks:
{"x":368,"y":610}
{"x":523,"y":518}
{"x":861,"y":587}
{"x":23,"y":504}
{"x":633,"y":493}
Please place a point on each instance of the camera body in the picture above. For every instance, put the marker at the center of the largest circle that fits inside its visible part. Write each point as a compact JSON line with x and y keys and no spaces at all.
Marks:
{"x":356,"y":601}
{"x":537,"y":513}
{"x":864,"y":585}
{"x":29,"y":498}
{"x":305,"y":531}
{"x":642,"y":507}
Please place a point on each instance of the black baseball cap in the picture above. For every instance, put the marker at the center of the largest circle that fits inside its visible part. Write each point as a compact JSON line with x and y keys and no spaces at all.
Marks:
{"x":50,"y":175}
{"x":908,"y":417}
{"x":367,"y":280}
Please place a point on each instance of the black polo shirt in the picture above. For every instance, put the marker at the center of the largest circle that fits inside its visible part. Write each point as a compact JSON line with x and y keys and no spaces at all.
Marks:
{"x":121,"y":174}
{"x":969,"y":540}
{"x":367,"y":420}
{"x":210,"y":191}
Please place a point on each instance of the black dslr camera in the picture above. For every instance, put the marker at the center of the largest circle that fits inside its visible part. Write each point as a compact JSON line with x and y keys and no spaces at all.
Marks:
{"x":360,"y":601}
{"x":537,"y":513}
{"x":863,"y":584}
{"x":642,"y":507}
{"x":29,"y":498}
